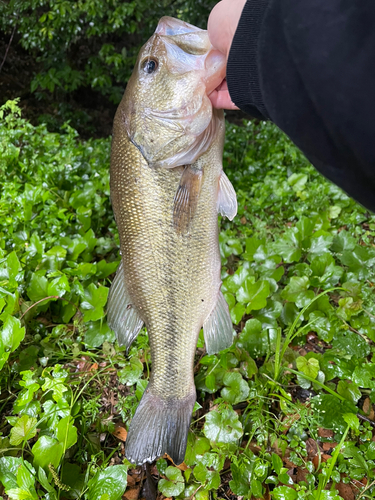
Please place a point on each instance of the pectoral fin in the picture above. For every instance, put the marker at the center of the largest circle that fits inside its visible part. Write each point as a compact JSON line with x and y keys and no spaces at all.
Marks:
{"x":227,"y":199}
{"x":218,"y":328}
{"x":186,"y":198}
{"x":121,"y":315}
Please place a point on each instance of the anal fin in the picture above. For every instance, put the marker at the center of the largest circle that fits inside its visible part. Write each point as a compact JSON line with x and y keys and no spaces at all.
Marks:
{"x":186,"y":198}
{"x":227,"y":199}
{"x":121,"y":315}
{"x":218,"y":328}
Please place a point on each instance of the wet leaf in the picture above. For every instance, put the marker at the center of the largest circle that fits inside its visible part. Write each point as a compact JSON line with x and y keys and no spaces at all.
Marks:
{"x":175,"y":483}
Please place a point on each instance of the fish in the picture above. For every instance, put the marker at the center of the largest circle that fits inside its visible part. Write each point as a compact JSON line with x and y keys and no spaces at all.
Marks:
{"x":167,"y":186}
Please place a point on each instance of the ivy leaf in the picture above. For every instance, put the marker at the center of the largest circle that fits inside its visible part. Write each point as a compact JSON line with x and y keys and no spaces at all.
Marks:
{"x":343,"y":241}
{"x":210,"y":479}
{"x":331,"y":411}
{"x":58,"y":286}
{"x":24,"y":430}
{"x":325,"y":273}
{"x":322,"y":325}
{"x":348,"y":308}
{"x":253,"y":294}
{"x":289,"y":246}
{"x":38,"y":286}
{"x":175,"y":483}
{"x":352,"y":420}
{"x":95,"y":300}
{"x":98,"y":332}
{"x":320,"y":242}
{"x":233,"y":283}
{"x":223,"y":427}
{"x":237,"y":312}
{"x":109,"y":483}
{"x":256,"y":340}
{"x":349,"y":391}
{"x":132,"y":372}
{"x":297,"y":291}
{"x":11,"y":336}
{"x":196,"y":447}
{"x":242,"y":475}
{"x":236,"y":389}
{"x":351,"y":343}
{"x":309,"y":367}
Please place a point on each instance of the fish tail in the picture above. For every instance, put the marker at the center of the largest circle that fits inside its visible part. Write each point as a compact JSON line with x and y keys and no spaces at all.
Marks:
{"x":159,"y":426}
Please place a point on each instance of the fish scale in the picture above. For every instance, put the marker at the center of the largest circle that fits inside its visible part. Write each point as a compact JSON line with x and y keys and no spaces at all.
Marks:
{"x":167,"y":186}
{"x":177,"y":270}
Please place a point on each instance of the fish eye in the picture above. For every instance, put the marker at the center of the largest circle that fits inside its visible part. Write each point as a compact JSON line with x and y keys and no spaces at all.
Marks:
{"x":149,"y":65}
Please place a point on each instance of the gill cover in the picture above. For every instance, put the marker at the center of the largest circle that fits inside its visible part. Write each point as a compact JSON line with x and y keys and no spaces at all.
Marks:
{"x":165,"y":109}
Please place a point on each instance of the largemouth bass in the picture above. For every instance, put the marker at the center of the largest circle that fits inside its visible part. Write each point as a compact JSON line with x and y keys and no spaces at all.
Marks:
{"x":167,"y":186}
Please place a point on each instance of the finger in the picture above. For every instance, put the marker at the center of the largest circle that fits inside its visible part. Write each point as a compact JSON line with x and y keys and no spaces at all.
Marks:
{"x":220,"y":99}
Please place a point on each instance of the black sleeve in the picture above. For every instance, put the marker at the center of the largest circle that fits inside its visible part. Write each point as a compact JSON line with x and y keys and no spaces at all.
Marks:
{"x":309,"y":66}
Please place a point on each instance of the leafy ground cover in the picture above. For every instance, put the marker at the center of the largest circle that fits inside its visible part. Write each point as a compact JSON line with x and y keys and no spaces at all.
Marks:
{"x":286,"y":413}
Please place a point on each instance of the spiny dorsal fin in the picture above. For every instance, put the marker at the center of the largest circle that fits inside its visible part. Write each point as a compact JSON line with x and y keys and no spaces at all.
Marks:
{"x":186,"y":198}
{"x":218,"y":328}
{"x":227,"y":199}
{"x":121,"y":315}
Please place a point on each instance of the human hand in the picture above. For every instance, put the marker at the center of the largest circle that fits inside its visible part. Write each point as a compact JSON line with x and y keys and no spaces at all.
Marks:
{"x":222,"y":25}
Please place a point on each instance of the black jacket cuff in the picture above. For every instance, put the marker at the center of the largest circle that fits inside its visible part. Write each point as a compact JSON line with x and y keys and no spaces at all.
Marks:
{"x":242,"y":68}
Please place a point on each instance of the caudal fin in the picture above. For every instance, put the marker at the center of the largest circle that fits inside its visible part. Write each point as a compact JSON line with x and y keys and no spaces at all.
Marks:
{"x":159,"y":426}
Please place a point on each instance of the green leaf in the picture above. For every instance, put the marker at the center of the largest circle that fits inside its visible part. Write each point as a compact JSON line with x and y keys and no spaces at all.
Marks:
{"x":98,"y":332}
{"x":237,"y":312}
{"x":111,"y":481}
{"x":210,"y":479}
{"x":38,"y":286}
{"x":236,"y":389}
{"x":175,"y":483}
{"x":11,"y":336}
{"x":349,"y":391}
{"x":242,"y":475}
{"x":8,"y":471}
{"x":297,"y":181}
{"x":322,"y":325}
{"x":309,"y":367}
{"x":47,"y":450}
{"x":132,"y":372}
{"x":325,"y":273}
{"x":297,"y":291}
{"x":351,"y":343}
{"x":284,"y":493}
{"x":253,"y":294}
{"x":59,"y":286}
{"x":233,"y":283}
{"x":223,"y":427}
{"x":24,"y":430}
{"x":257,"y":341}
{"x":352,"y":420}
{"x":66,"y":433}
{"x":277,"y":463}
{"x":330,"y":412}
{"x":95,"y":300}
{"x":320,"y":243}
{"x":289,"y":246}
